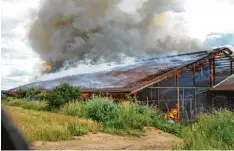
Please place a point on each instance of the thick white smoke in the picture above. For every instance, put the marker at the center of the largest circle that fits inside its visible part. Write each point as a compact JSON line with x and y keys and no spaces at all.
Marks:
{"x":84,"y":31}
{"x":97,"y":30}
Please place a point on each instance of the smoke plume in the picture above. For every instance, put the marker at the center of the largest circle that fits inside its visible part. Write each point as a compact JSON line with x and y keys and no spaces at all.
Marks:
{"x":99,"y":30}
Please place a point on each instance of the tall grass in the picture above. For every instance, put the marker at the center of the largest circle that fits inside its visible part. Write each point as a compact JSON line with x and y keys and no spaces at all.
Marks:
{"x":45,"y":126}
{"x":210,"y":132}
{"x":214,"y":131}
{"x":73,"y":108}
{"x":121,"y":119}
{"x":129,"y":117}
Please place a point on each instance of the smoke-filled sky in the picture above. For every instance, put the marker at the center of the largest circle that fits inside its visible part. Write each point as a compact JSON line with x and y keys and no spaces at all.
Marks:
{"x":99,"y":30}
{"x":97,"y":35}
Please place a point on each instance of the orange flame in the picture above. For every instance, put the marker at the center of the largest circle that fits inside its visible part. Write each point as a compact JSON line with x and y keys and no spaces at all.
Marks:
{"x":173,"y":114}
{"x":85,"y":95}
{"x":46,"y":67}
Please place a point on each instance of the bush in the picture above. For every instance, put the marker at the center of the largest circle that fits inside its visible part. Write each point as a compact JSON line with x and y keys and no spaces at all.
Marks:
{"x":39,"y":106}
{"x":211,"y":132}
{"x":20,"y":93}
{"x":31,"y":93}
{"x":42,"y":95}
{"x":160,"y":122}
{"x":100,"y":109}
{"x":127,"y":117}
{"x":73,"y":109}
{"x":130,"y":116}
{"x":16,"y":102}
{"x":62,"y":94}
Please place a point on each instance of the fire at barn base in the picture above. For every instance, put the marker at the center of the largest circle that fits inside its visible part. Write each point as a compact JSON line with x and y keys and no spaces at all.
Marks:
{"x":181,"y":85}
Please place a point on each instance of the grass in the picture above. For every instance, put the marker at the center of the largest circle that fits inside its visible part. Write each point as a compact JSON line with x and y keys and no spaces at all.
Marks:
{"x":210,"y":132}
{"x":45,"y":126}
{"x":128,"y":119}
{"x":26,"y":104}
{"x":213,"y":131}
{"x":73,"y":108}
{"x":121,"y":119}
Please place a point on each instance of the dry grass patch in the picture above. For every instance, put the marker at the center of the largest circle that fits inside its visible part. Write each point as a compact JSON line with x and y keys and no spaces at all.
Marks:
{"x":45,"y":126}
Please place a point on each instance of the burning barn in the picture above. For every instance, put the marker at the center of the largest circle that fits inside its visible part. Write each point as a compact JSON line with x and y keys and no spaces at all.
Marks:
{"x":222,"y":94}
{"x":165,"y":82}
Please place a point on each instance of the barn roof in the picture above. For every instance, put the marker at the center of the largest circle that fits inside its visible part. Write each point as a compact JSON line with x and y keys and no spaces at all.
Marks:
{"x":225,"y":85}
{"x":129,"y":78}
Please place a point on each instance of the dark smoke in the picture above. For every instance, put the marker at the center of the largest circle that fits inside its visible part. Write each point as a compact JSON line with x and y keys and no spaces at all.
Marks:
{"x":98,"y":30}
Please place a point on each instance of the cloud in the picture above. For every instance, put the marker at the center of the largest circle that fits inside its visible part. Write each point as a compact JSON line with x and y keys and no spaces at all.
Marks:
{"x":209,"y":16}
{"x":18,"y":61}
{"x":8,"y":83}
{"x":18,"y":73}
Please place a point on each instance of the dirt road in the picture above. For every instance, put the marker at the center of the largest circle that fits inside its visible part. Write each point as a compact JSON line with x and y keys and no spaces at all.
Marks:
{"x":154,"y":139}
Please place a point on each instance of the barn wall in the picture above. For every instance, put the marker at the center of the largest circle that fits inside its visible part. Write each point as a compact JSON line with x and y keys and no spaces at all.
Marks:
{"x":191,"y":92}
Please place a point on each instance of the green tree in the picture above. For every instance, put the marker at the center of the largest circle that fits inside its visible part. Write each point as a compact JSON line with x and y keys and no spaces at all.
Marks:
{"x":31,"y":92}
{"x":20,"y":93}
{"x":62,"y":94}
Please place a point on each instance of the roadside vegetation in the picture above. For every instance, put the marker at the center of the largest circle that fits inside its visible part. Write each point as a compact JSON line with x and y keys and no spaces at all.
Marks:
{"x":122,"y":119}
{"x":210,"y":132}
{"x":26,"y":104}
{"x":47,"y":126}
{"x":214,"y":131}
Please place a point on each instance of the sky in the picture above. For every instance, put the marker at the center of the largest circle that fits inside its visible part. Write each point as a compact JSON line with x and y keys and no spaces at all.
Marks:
{"x":210,"y":21}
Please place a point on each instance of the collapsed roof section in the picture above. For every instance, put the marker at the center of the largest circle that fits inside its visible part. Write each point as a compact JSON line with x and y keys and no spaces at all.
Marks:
{"x":225,"y":85}
{"x":135,"y":77}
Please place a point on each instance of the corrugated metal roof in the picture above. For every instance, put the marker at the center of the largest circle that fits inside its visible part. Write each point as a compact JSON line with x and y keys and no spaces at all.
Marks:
{"x":123,"y":78}
{"x":227,"y":84}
